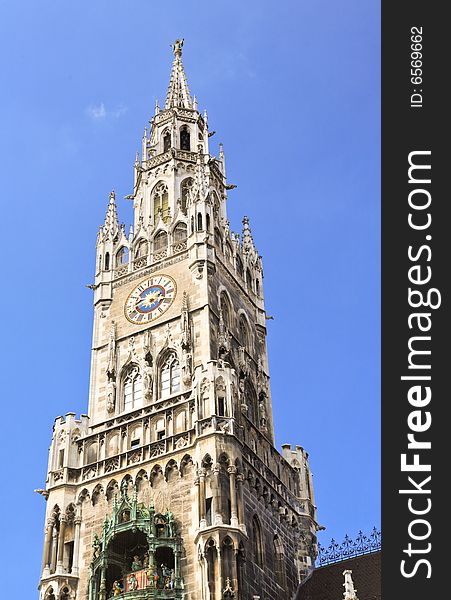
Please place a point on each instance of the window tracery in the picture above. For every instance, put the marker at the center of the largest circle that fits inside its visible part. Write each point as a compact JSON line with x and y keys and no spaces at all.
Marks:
{"x":170,"y":376}
{"x":185,"y":143}
{"x":160,"y":203}
{"x":122,"y":256}
{"x":132,"y":391}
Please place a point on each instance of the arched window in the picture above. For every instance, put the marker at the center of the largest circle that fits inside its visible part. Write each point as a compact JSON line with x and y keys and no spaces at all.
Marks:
{"x":170,"y":376}
{"x":100,"y":263}
{"x":122,"y":256}
{"x":244,"y":332}
{"x":192,"y":224}
{"x":279,"y":561}
{"x":141,"y":249}
{"x":251,"y":402}
{"x":107,"y":261}
{"x":249,"y":279}
{"x":185,"y":138}
{"x":160,"y":241}
{"x":133,"y":392}
{"x":226,"y":310}
{"x":180,"y":233}
{"x":218,"y":239}
{"x":166,"y":141}
{"x":160,"y":203}
{"x":239,"y":266}
{"x":229,"y":252}
{"x":199,"y":222}
{"x":185,"y":193}
{"x":257,"y":286}
{"x":208,"y":222}
{"x":65,"y":594}
{"x":257,"y":543}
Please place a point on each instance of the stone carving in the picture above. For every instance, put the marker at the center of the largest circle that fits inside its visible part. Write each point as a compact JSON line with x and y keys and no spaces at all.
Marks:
{"x":350,"y":592}
{"x":185,"y":342}
{"x":111,"y":371}
{"x":147,"y":381}
{"x":110,"y":396}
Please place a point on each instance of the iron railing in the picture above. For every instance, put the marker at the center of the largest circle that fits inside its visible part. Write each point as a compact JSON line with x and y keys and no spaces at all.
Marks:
{"x":363,"y":544}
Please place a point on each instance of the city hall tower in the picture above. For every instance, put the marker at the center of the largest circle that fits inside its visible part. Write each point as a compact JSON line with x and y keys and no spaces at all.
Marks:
{"x":171,"y":487}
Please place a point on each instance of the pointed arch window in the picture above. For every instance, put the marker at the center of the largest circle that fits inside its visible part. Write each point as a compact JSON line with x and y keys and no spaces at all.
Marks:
{"x":160,"y":203}
{"x":107,"y":261}
{"x":244,"y":332}
{"x":218,"y":239}
{"x":133,"y":393}
{"x":279,"y":561}
{"x":226,"y":310}
{"x":185,"y":143}
{"x":199,"y":222}
{"x":180,"y":233}
{"x":170,"y":376}
{"x":160,"y":242}
{"x":141,"y":249}
{"x":166,"y":141}
{"x":249,"y":279}
{"x":239,"y":266}
{"x":186,"y":189}
{"x":122,"y":256}
{"x":257,"y":542}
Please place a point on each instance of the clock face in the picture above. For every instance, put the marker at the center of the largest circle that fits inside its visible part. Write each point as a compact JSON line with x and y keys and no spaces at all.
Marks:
{"x":150,"y":299}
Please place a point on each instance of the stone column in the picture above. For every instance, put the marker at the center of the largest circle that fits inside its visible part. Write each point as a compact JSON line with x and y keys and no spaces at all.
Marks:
{"x":54,"y":548}
{"x":202,"y":507}
{"x":235,"y":572}
{"x":218,"y":551}
{"x":77,"y":523}
{"x":177,"y":568}
{"x":59,"y":565}
{"x":233,"y":503}
{"x":217,"y":516}
{"x":239,"y":482}
{"x":102,"y":591}
{"x":47,"y":547}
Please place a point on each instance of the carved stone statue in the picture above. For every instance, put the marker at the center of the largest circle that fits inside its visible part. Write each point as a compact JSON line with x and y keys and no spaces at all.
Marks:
{"x":110,"y":396}
{"x":187,"y":367}
{"x":147,"y":380}
{"x":96,"y":545}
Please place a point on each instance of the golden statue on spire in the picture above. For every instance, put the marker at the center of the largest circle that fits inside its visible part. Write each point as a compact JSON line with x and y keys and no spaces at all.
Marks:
{"x":177,"y":46}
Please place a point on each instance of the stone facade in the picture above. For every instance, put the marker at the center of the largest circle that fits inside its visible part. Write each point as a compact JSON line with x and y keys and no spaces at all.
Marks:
{"x":171,"y":486}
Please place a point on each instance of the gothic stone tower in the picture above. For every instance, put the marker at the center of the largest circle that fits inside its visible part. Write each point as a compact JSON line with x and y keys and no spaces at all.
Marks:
{"x":171,"y":486}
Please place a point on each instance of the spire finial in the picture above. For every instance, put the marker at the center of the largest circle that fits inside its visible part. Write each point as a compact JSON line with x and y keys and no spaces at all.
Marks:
{"x":178,"y":93}
{"x":111,"y":224}
{"x":177,"y":47}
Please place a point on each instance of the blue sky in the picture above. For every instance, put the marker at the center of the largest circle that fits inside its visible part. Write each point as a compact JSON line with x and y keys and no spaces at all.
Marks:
{"x":292,"y":89}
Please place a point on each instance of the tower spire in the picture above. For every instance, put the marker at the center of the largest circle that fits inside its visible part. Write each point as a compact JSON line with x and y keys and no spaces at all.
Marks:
{"x":178,"y":93}
{"x":111,"y":225}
